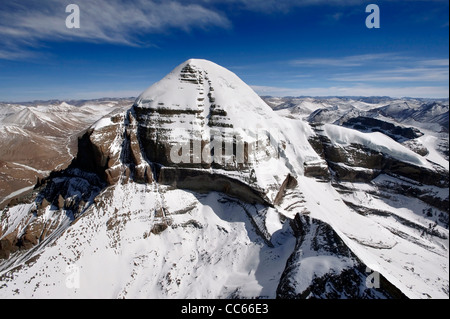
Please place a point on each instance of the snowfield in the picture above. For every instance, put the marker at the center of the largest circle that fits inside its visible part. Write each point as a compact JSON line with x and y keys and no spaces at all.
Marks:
{"x":211,"y":251}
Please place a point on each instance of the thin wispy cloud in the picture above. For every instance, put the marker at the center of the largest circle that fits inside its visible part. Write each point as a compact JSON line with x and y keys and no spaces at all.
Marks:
{"x":357,"y":90}
{"x":375,"y":69}
{"x":271,"y":6}
{"x":102,"y":21}
{"x":395,"y":75}
{"x":277,"y":6}
{"x":436,"y":62}
{"x":346,"y":61}
{"x":408,"y":69}
{"x":14,"y":54}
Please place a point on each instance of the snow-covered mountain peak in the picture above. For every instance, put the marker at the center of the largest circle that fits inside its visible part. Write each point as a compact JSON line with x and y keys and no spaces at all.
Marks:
{"x":206,"y":88}
{"x":211,"y":111}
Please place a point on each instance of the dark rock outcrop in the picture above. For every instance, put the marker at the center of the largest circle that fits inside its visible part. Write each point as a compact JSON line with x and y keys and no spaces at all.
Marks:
{"x":339,"y":273}
{"x":368,"y":124}
{"x":203,"y":181}
{"x":357,"y":163}
{"x":8,"y":245}
{"x":289,"y":183}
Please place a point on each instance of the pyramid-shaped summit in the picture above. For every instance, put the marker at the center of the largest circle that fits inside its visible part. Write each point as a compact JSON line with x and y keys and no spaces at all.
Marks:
{"x":180,"y":119}
{"x":210,"y":94}
{"x":201,"y":128}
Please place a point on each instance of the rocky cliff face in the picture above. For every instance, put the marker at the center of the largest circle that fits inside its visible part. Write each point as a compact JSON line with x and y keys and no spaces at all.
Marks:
{"x":200,"y":189}
{"x":37,"y":138}
{"x":323,"y":267}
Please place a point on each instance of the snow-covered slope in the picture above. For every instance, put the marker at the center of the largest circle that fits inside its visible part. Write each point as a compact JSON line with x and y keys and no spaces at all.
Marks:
{"x":204,"y":85}
{"x":405,"y":120}
{"x":148,"y":209}
{"x":375,"y":141}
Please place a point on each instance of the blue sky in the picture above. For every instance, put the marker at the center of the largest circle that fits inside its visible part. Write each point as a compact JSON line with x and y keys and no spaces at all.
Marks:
{"x":279,"y":47}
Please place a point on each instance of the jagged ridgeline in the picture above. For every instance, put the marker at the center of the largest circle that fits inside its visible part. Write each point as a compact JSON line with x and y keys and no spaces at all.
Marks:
{"x":200,"y":189}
